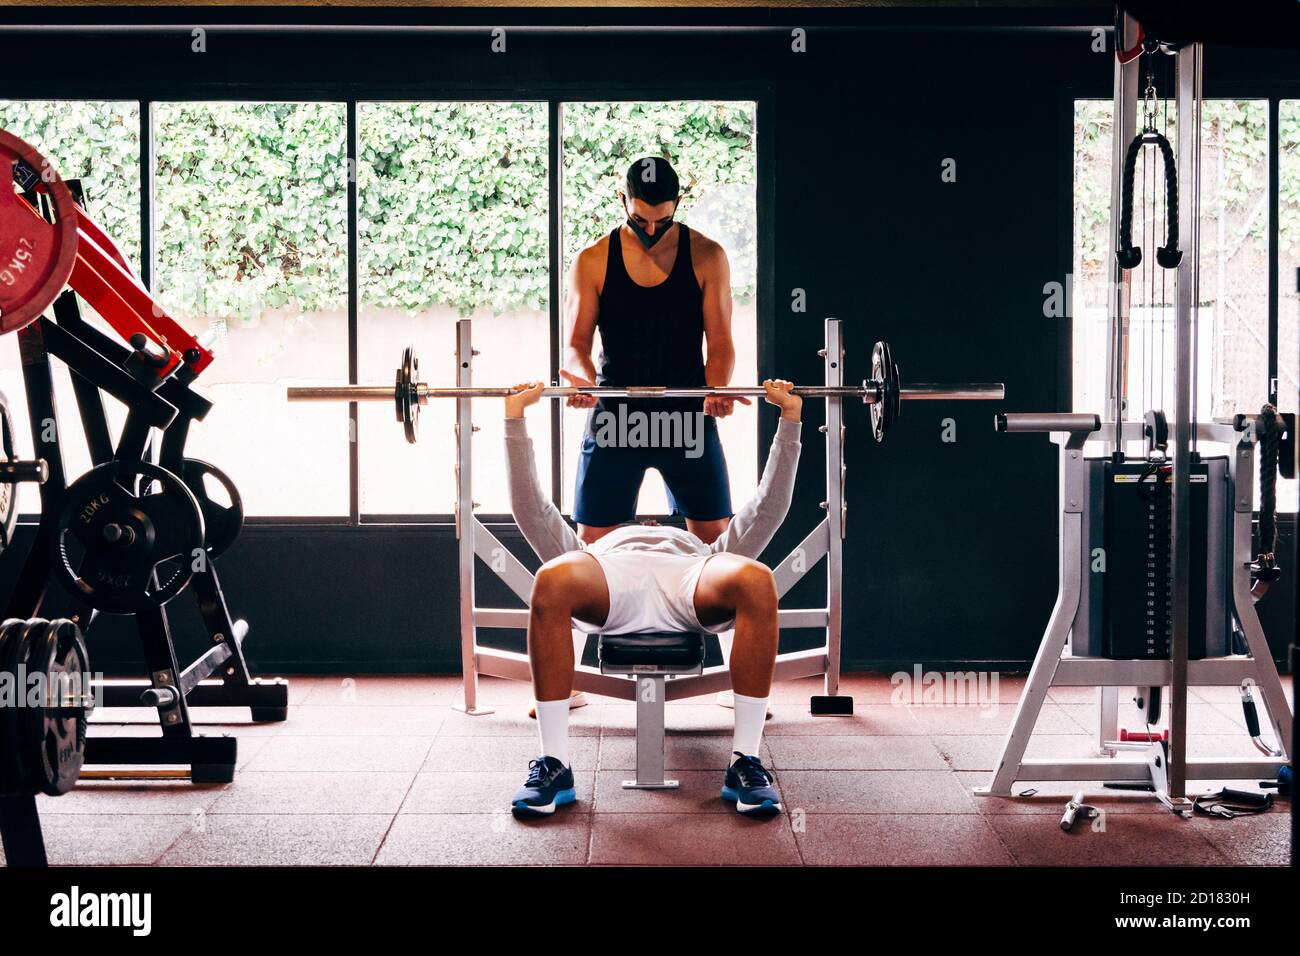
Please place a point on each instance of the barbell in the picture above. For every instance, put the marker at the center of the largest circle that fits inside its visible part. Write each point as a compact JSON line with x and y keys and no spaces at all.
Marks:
{"x":883,"y":392}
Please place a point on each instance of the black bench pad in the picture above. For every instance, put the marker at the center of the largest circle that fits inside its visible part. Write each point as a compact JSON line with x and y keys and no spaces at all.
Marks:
{"x":660,"y":649}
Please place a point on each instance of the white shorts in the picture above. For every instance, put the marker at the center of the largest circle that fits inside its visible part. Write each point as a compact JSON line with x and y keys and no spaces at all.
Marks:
{"x":651,"y":592}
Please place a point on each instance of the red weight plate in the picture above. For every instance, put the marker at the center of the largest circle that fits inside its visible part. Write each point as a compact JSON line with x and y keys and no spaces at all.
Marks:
{"x":36,"y":257}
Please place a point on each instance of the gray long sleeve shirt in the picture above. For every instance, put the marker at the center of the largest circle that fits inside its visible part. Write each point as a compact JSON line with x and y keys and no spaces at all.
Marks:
{"x":747,"y":534}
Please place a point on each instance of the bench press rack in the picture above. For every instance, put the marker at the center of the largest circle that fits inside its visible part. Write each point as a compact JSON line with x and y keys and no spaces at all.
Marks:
{"x":474,"y":539}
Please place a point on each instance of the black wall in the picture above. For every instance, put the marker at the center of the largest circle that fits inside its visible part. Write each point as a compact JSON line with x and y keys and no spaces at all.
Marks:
{"x":951,"y":551}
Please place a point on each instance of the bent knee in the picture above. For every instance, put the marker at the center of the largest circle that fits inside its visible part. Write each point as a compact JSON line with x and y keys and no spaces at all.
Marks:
{"x":753,"y":582}
{"x":554,"y":586}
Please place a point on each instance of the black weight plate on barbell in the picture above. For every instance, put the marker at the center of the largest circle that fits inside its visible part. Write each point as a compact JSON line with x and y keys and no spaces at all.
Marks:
{"x":8,"y":490}
{"x":893,"y":388}
{"x":408,"y":377}
{"x":221,"y":523}
{"x":123,"y":576}
{"x":884,"y":375}
{"x":53,"y":737}
{"x":13,"y":638}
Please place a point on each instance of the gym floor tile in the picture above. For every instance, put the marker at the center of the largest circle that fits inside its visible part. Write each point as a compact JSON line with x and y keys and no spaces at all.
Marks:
{"x":1072,"y":695}
{"x":854,"y":753}
{"x":619,"y":720}
{"x":681,"y":752}
{"x":1232,"y":712}
{"x":492,"y":691}
{"x":863,"y":688}
{"x":1129,"y":839}
{"x":487,"y":839}
{"x":1224,"y":745}
{"x":353,"y":721}
{"x":480,"y":791}
{"x":109,"y":840}
{"x":249,"y":748}
{"x":959,"y":688}
{"x":866,"y":720}
{"x":699,"y":791}
{"x":511,"y":720}
{"x":938,"y":839}
{"x":970,"y":752}
{"x":314,"y":791}
{"x":341,"y":753}
{"x":993,"y":720}
{"x":1232,"y":696}
{"x":1262,"y":840}
{"x":502,"y":753}
{"x":1201,"y":718}
{"x":361,"y":691}
{"x":125,"y":798}
{"x":255,"y":839}
{"x":875,"y":791}
{"x":717,"y":839}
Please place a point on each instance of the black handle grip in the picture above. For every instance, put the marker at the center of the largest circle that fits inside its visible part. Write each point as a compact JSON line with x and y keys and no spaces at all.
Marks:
{"x":1128,"y":255}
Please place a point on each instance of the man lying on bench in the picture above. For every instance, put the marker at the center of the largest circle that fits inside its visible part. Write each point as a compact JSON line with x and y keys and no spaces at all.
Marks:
{"x":651,"y":578}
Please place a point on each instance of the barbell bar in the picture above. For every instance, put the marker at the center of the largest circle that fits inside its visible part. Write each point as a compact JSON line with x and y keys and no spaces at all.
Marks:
{"x":883,"y":392}
{"x":916,"y":391}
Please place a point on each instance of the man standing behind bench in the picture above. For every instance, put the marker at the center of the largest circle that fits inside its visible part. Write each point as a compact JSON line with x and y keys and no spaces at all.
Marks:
{"x":658,"y":291}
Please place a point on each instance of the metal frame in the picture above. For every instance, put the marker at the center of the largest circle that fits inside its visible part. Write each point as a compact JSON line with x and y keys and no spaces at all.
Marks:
{"x":1055,"y":666}
{"x":474,"y":538}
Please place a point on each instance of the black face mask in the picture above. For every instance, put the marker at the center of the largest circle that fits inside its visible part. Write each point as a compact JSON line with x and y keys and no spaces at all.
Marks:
{"x":645,"y":238}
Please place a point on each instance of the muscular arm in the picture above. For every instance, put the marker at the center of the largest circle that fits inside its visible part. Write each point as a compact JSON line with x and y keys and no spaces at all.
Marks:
{"x":715,"y":284}
{"x":754,"y":525}
{"x":539,"y":520}
{"x":581,"y":307}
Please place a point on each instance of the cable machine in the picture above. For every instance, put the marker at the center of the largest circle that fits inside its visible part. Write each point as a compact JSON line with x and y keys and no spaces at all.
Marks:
{"x":1158,"y":568}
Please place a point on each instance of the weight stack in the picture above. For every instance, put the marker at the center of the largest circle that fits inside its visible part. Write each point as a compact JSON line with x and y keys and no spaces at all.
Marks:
{"x":1125,"y":608}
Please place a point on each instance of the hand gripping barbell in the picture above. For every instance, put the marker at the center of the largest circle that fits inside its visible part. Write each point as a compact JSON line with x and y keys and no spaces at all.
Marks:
{"x":883,"y":392}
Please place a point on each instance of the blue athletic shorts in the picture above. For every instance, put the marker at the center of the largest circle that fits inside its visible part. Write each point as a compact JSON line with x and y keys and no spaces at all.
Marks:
{"x":609,"y":478}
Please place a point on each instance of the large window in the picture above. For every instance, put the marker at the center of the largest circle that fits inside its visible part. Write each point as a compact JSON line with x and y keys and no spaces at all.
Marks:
{"x":712,"y":146}
{"x":453,"y":224}
{"x":251,"y":246}
{"x":97,"y":143}
{"x":250,"y":206}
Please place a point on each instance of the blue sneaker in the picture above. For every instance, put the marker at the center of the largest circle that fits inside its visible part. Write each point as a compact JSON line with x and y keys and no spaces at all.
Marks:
{"x":549,"y":785}
{"x":750,"y":784}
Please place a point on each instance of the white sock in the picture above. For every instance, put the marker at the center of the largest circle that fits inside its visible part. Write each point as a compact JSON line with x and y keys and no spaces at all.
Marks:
{"x":553,"y":728}
{"x":751,"y":712}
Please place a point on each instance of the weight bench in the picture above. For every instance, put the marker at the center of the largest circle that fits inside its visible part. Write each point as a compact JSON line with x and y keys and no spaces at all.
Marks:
{"x":650,"y":658}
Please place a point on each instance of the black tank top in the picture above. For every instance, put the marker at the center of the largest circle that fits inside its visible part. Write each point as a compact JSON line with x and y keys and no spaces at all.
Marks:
{"x":651,"y":335}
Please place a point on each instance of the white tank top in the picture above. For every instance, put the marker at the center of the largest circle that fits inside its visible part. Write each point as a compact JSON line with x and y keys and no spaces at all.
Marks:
{"x":650,"y":537}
